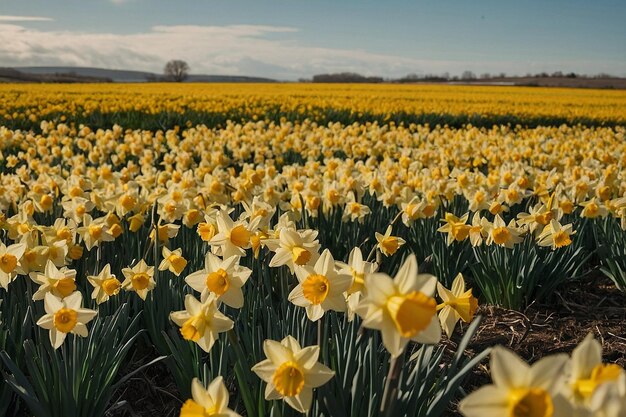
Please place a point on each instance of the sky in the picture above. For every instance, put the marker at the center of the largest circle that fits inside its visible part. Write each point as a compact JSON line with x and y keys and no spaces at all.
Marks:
{"x":291,"y":39}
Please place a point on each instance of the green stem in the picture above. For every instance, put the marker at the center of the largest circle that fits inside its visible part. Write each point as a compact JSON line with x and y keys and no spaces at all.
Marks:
{"x":390,"y":393}
{"x":239,"y":373}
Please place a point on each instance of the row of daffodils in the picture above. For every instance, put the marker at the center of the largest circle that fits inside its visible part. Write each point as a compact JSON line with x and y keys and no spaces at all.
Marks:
{"x":285,"y":256}
{"x":139,"y":103}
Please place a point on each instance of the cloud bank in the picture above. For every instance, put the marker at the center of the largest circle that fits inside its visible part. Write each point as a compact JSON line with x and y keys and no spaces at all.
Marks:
{"x":5,"y":18}
{"x":256,"y":50}
{"x":234,"y":50}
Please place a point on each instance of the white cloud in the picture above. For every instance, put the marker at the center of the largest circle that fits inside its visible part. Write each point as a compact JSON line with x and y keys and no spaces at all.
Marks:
{"x":259,"y":50}
{"x":4,"y":18}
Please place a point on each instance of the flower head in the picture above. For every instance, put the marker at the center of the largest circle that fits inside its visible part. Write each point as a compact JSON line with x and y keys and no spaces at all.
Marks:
{"x":139,"y":278}
{"x":291,"y":372}
{"x":201,"y":322}
{"x":65,"y":316}
{"x":320,"y":287}
{"x":402,"y":308}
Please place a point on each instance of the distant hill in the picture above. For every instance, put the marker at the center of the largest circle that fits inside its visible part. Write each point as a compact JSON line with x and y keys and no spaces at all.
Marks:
{"x":11,"y":75}
{"x":124,"y":76}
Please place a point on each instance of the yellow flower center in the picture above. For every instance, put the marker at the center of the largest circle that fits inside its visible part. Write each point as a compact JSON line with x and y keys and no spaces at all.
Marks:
{"x":411,"y":313}
{"x":8,"y":263}
{"x":80,"y":210}
{"x":591,"y":210}
{"x":64,"y":234}
{"x":315,"y":288}
{"x":390,"y":245}
{"x":178,"y":262}
{"x":192,"y":329}
{"x":111,"y":286}
{"x":544,"y":218}
{"x":288,"y":379}
{"x":95,"y":231}
{"x":584,"y":388}
{"x":300,"y":255}
{"x":127,"y":201}
{"x":217,"y":282}
{"x":501,"y":235}
{"x":65,"y":320}
{"x":240,"y":236}
{"x":530,"y":402}
{"x":358,"y":281}
{"x":193,"y":409}
{"x":45,"y":202}
{"x":65,"y":286}
{"x":206,"y":231}
{"x":140,"y":281}
{"x":460,"y":232}
{"x":561,"y":238}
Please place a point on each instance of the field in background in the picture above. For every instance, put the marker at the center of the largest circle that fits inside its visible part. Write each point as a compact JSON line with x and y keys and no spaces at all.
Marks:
{"x":163,"y":106}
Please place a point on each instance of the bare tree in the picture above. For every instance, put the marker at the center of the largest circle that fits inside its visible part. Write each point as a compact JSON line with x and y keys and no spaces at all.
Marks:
{"x":176,"y":70}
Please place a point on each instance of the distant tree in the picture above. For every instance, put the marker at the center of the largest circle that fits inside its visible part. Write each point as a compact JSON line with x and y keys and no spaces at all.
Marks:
{"x":468,"y":75}
{"x":485,"y":76}
{"x":176,"y":70}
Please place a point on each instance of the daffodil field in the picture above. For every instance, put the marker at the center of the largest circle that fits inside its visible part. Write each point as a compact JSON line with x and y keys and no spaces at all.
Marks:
{"x":321,"y":250}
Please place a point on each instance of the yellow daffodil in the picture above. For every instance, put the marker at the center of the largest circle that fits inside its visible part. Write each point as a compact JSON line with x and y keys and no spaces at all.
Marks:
{"x":10,"y":265}
{"x":320,"y":287}
{"x":224,"y":278}
{"x":291,"y":372}
{"x":105,"y":285}
{"x":520,"y":390}
{"x":502,"y":234}
{"x":358,"y":269}
{"x":65,"y":316}
{"x":60,"y":282}
{"x":388,"y":244}
{"x":455,"y":227}
{"x":458,"y":304}
{"x":201,"y":322}
{"x":403,"y":308}
{"x":556,"y":235}
{"x":233,"y":238}
{"x":587,"y":372}
{"x":139,"y":278}
{"x":209,"y":402}
{"x":173,"y":261}
{"x":294,"y":248}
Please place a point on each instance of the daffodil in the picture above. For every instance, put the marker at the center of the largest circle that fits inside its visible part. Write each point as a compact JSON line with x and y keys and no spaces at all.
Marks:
{"x":94,"y":231}
{"x":173,"y":261}
{"x":520,"y":390}
{"x":456,"y":228}
{"x":358,"y":269}
{"x":139,"y":278}
{"x":233,"y":238}
{"x":209,"y":402}
{"x":502,"y":234}
{"x":294,"y":248}
{"x":224,"y":278}
{"x":609,"y":400}
{"x":556,"y":235}
{"x":59,"y":282}
{"x":388,"y":244}
{"x":403,"y":308}
{"x":65,"y":316}
{"x":320,"y":287}
{"x":105,"y":285}
{"x":291,"y":372}
{"x":201,"y":322}
{"x":587,"y":372}
{"x":10,"y":265}
{"x":458,"y":304}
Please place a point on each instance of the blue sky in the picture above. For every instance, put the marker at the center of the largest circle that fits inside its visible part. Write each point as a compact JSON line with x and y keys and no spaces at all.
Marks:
{"x":288,"y":39}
